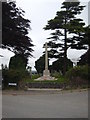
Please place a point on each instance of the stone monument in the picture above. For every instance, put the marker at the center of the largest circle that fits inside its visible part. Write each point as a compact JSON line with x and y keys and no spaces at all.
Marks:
{"x":46,"y":73}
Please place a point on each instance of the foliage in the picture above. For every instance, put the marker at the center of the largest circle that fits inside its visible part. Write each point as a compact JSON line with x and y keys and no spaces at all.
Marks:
{"x":63,"y":24}
{"x":16,"y":72}
{"x":86,"y":42}
{"x":29,"y":80}
{"x":58,"y":65}
{"x":18,"y":62}
{"x":56,"y":75}
{"x":15,"y":30}
{"x":78,"y":71}
{"x":13,"y":76}
{"x":40,"y":64}
{"x":85,"y":58}
{"x":35,"y":76}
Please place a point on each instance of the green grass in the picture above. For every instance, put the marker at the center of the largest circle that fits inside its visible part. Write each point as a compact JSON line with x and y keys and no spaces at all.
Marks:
{"x":60,"y":79}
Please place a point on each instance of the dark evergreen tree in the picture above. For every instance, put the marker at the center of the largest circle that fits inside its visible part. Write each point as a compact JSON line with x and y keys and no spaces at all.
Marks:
{"x":15,"y":28}
{"x":18,"y":62}
{"x":63,"y":24}
{"x":85,"y":59}
{"x":40,"y":64}
{"x":58,"y":65}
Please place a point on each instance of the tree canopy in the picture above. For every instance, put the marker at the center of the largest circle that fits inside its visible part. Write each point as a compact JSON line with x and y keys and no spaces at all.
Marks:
{"x":18,"y":62}
{"x":65,"y":24}
{"x":57,"y":66}
{"x":85,"y":59}
{"x":40,"y":64}
{"x":15,"y":29}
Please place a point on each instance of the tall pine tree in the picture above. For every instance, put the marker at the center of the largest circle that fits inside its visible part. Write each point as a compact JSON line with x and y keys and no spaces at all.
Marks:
{"x":64,"y":24}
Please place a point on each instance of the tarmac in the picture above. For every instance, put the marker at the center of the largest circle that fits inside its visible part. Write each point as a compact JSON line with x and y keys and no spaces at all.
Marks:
{"x":45,"y":103}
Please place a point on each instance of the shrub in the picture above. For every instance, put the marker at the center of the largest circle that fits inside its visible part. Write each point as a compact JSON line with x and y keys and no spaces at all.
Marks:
{"x":56,"y":74}
{"x":12,"y":76}
{"x":78,"y":72}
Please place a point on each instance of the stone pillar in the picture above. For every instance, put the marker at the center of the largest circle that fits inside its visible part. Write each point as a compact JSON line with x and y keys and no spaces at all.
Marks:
{"x":46,"y":57}
{"x":46,"y":71}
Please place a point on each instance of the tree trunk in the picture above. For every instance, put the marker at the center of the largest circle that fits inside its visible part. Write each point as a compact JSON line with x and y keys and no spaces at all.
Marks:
{"x":65,"y":53}
{"x":65,"y":50}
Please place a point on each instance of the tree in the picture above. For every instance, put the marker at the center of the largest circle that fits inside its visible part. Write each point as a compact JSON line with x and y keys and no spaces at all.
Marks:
{"x":86,"y":44}
{"x":85,"y":59}
{"x":63,"y":24}
{"x":58,"y":65}
{"x":18,"y":62}
{"x":15,"y":30}
{"x":40,"y":64}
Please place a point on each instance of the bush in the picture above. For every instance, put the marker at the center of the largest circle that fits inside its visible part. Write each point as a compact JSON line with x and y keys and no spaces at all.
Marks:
{"x":56,"y":74}
{"x":12,"y":76}
{"x":78,"y":75}
{"x":78,"y":71}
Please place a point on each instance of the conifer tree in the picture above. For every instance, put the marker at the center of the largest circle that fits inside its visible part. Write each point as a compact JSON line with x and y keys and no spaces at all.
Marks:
{"x":15,"y":29}
{"x":64,"y":24}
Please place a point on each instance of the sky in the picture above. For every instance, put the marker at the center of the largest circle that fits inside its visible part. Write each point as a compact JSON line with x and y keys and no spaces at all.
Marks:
{"x":39,"y":12}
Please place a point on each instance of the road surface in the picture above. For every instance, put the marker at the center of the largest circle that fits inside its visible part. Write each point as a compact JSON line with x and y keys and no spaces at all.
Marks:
{"x":59,"y":105}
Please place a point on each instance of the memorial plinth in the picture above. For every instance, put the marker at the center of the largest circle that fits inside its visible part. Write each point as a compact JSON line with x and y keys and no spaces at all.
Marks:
{"x":46,"y":73}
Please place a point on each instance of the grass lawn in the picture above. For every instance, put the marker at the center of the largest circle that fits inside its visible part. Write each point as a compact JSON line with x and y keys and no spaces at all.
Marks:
{"x":60,"y":79}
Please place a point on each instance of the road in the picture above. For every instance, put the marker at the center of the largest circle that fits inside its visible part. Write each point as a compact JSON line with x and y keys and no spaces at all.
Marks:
{"x":59,"y":105}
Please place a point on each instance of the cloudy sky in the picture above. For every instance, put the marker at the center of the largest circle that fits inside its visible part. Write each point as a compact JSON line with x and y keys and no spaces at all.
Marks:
{"x":39,"y":12}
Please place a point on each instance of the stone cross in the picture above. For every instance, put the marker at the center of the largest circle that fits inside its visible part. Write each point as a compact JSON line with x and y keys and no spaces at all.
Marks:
{"x":46,"y":56}
{"x":46,"y":71}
